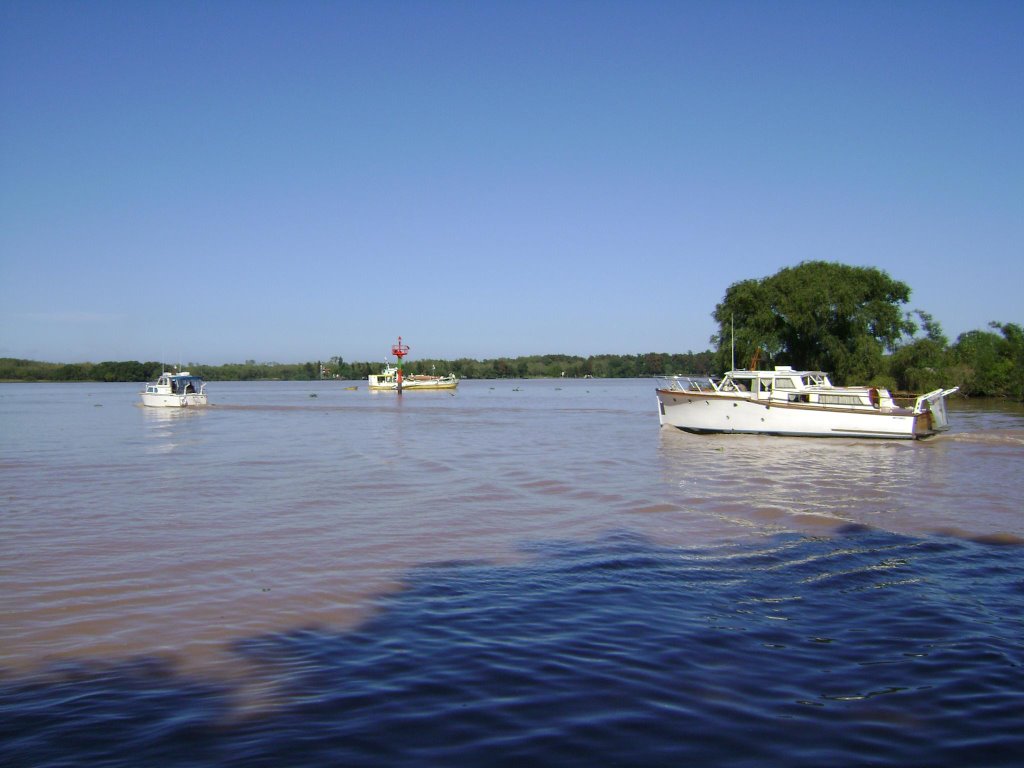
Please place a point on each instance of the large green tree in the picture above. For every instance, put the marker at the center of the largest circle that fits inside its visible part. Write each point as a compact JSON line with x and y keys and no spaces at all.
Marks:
{"x":817,"y":315}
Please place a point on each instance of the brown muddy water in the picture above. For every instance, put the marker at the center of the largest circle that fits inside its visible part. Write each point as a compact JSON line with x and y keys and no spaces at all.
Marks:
{"x":519,"y":571}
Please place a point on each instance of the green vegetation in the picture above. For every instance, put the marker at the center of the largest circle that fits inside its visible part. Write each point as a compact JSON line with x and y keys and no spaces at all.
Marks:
{"x":817,"y":315}
{"x":849,"y":322}
{"x":540,"y":366}
{"x":981,"y":363}
{"x":12,"y":369}
{"x":986,"y":363}
{"x":537,"y":366}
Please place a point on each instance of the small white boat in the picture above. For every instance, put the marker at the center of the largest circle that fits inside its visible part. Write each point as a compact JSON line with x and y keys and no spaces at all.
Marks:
{"x":175,"y":390}
{"x":387,"y":380}
{"x":790,"y":402}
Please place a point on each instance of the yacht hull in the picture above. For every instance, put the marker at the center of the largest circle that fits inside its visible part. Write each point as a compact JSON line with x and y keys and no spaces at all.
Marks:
{"x":712,"y":412}
{"x":172,"y":401}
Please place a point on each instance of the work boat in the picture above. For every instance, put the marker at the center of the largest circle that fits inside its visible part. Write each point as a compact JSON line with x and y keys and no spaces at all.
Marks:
{"x":175,"y":390}
{"x":388,"y":380}
{"x":790,"y":402}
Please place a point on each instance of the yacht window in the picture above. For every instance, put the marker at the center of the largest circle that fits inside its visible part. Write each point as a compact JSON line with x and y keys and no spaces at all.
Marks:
{"x":840,"y":400}
{"x":743,"y":385}
{"x":784,"y":384}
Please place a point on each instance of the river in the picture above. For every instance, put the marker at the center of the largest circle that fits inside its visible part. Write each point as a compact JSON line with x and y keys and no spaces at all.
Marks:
{"x":522,"y":572}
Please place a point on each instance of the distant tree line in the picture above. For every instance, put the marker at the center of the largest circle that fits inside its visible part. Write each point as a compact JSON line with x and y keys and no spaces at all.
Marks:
{"x":12,"y":369}
{"x":536,"y":366}
{"x":844,"y":320}
{"x":540,"y":366}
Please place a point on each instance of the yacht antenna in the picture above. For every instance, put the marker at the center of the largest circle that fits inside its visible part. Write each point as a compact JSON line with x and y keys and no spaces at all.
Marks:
{"x":732,"y":323}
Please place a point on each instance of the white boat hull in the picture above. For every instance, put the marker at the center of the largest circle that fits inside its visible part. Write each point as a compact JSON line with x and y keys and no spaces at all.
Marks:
{"x":172,"y":401}
{"x":712,"y":412}
{"x":407,"y":385}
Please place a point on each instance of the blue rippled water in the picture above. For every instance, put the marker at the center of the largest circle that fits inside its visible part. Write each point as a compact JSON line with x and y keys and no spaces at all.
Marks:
{"x":860,"y":648}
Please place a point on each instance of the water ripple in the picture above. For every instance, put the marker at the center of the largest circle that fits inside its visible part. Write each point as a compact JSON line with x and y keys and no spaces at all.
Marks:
{"x":615,"y":651}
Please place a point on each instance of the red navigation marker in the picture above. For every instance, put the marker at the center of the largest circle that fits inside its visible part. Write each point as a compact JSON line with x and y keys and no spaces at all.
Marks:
{"x":399,"y":350}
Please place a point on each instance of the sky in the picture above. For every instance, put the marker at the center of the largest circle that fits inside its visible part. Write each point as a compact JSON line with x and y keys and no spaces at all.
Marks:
{"x":292,"y":181}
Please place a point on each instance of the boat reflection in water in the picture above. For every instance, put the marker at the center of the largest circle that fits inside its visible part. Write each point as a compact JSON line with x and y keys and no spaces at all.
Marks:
{"x":810,"y":485}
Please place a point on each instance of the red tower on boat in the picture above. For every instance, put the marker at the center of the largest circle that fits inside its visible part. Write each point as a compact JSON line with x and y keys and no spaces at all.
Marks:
{"x":399,"y":350}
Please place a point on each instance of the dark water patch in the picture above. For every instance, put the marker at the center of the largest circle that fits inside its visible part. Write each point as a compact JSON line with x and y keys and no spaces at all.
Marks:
{"x":141,"y":711}
{"x":862,"y":648}
{"x":999,"y":539}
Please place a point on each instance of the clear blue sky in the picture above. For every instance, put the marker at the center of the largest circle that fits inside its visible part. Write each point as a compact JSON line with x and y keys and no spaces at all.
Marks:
{"x":288,"y":181}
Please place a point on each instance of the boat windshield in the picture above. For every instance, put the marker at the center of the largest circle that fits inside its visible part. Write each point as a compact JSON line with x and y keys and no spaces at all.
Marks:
{"x":689,"y":383}
{"x":815,"y":380}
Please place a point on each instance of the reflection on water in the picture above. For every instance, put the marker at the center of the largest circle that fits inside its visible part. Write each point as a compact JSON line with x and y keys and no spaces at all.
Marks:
{"x":167,"y":428}
{"x":272,"y":549}
{"x":966,"y":482}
